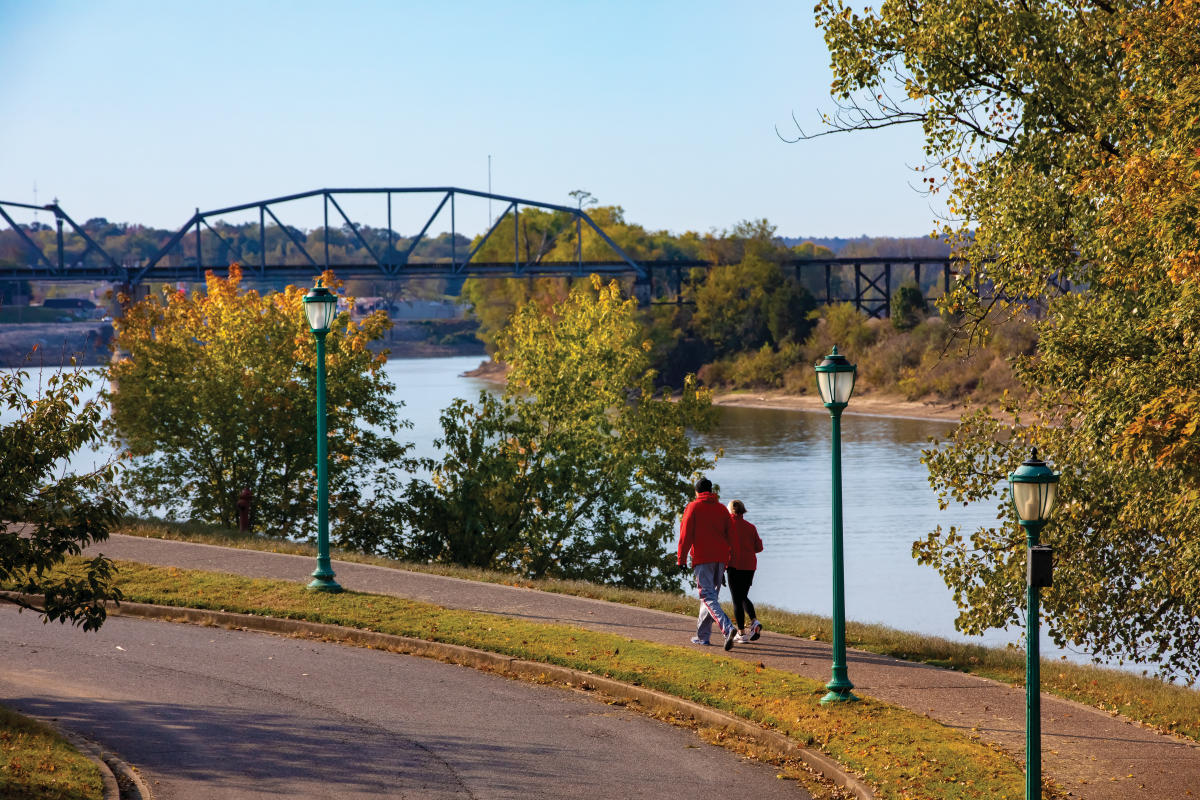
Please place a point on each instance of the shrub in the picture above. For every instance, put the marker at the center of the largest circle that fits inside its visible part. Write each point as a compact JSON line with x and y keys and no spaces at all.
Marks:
{"x":908,"y":307}
{"x":764,"y":368}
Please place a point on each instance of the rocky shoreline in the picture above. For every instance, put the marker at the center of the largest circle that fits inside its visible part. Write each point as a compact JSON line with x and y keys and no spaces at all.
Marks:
{"x":53,"y":344}
{"x":34,"y":344}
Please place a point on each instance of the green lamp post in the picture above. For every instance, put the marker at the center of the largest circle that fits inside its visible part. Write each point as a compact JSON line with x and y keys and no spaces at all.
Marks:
{"x":320,"y":306}
{"x":1034,"y":488}
{"x":835,"y":381}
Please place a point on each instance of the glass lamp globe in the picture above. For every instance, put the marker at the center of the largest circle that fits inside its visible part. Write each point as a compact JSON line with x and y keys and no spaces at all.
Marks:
{"x":320,"y":306}
{"x":835,"y":379}
{"x":1034,"y":487}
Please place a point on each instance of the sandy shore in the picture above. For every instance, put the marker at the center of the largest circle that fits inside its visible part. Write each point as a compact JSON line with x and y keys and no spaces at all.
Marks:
{"x":866,"y":405}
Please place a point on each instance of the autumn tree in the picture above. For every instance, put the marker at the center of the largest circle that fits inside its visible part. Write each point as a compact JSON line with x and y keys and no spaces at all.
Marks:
{"x":47,"y":515}
{"x":215,"y":392}
{"x":579,"y":469}
{"x":1067,"y":140}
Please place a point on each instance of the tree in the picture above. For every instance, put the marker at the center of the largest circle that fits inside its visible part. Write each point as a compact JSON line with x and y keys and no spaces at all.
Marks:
{"x":1067,"y":137}
{"x":537,"y":231}
{"x":215,"y":393}
{"x":46,"y":516}
{"x":579,"y":469}
{"x":743,"y":306}
{"x":908,"y":307}
{"x":494,"y":300}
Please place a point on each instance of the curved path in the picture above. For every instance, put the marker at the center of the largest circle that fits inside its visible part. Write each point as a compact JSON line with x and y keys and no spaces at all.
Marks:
{"x":1090,"y":753}
{"x":211,"y":713}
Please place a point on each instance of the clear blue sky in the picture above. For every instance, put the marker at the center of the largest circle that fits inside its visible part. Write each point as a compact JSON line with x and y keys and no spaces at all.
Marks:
{"x":144,"y":111}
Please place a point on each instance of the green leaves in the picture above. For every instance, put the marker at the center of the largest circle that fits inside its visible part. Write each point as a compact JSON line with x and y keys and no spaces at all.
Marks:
{"x":46,"y":515}
{"x":579,"y":470}
{"x":1068,"y":138}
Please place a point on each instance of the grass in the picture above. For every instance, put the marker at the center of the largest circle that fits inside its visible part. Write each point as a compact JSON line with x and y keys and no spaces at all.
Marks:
{"x":37,"y":764}
{"x":900,"y":753}
{"x":1160,"y":705}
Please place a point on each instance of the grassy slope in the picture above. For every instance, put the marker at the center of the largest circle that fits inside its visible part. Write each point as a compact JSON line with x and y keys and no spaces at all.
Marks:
{"x":901,"y":753}
{"x":1160,"y":705}
{"x":37,"y":764}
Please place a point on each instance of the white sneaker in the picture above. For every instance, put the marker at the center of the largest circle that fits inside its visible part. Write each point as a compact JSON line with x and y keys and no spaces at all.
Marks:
{"x":755,"y":630}
{"x":742,"y":638}
{"x":698,"y":640}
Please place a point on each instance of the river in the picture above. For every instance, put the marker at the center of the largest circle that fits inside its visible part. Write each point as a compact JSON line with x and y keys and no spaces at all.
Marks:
{"x":778,"y":463}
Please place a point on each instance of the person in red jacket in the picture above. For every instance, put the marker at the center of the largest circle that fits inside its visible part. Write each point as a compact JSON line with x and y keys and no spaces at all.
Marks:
{"x":744,"y":544}
{"x":704,"y":534}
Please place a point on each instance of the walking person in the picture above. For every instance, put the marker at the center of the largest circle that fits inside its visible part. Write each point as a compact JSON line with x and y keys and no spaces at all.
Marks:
{"x":704,"y":534}
{"x":745,"y":544}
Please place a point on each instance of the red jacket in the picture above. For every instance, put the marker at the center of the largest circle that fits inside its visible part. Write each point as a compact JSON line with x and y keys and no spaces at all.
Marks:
{"x":704,"y":531}
{"x":744,"y":544}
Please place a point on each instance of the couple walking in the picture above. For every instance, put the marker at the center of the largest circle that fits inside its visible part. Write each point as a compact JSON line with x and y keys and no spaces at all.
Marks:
{"x":717,"y":538}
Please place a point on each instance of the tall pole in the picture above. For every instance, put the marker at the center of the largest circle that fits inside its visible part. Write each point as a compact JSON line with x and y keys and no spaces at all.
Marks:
{"x":323,"y":574}
{"x":839,"y":686}
{"x":1033,"y":678}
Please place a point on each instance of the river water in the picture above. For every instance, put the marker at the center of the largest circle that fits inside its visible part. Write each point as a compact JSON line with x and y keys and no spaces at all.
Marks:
{"x":778,"y":463}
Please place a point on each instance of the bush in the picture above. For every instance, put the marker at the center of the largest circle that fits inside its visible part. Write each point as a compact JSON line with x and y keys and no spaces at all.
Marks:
{"x":844,"y":326}
{"x":908,"y":307}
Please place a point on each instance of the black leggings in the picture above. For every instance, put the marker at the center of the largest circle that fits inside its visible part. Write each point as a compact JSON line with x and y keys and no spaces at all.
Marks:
{"x":739,"y":587}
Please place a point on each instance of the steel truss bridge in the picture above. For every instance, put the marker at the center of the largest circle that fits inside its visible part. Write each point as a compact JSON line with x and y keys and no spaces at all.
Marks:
{"x":199,"y":245}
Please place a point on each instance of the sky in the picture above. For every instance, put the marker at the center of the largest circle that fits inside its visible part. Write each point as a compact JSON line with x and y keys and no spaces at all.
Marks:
{"x":145,"y":111}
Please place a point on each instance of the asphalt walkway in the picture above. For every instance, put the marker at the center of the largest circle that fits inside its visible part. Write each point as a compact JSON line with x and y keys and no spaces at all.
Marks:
{"x":1090,"y":753}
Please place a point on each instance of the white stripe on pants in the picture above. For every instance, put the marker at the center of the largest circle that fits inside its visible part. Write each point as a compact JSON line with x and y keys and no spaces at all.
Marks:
{"x":708,"y":584}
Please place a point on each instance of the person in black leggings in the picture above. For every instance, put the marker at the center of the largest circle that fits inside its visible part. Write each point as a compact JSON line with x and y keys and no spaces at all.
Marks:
{"x":743,"y":561}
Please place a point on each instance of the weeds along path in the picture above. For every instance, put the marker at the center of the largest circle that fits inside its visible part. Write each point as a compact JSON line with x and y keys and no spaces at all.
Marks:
{"x":1090,"y":753}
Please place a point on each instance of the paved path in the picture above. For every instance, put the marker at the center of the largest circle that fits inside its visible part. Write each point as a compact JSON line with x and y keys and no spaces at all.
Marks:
{"x":1089,"y":752}
{"x":213,"y":714}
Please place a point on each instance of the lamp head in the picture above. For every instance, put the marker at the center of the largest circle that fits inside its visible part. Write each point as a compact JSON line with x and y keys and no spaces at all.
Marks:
{"x":1034,"y":489}
{"x":835,"y":379}
{"x":320,"y":306}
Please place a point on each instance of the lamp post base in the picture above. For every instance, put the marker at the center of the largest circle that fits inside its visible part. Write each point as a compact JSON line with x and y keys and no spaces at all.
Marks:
{"x":323,"y":578}
{"x":839,"y":692}
{"x":840,"y":697}
{"x":325,"y":585}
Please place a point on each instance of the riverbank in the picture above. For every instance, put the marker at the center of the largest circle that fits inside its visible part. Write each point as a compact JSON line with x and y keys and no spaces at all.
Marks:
{"x":870,"y":405}
{"x":53,"y":344}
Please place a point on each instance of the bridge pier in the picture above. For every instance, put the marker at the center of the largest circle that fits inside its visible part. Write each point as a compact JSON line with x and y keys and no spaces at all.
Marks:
{"x":643,"y":291}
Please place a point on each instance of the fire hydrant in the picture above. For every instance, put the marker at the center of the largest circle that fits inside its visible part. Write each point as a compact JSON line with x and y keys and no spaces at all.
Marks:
{"x":243,"y":505}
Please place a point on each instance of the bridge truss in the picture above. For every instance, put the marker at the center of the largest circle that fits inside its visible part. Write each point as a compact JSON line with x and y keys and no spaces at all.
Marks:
{"x":200,"y":245}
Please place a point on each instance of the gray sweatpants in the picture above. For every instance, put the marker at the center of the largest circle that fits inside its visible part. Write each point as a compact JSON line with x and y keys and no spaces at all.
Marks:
{"x":708,"y":584}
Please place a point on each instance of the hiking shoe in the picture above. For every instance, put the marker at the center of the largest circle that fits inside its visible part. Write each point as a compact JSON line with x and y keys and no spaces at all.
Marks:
{"x":729,"y":638}
{"x":755,"y":630}
{"x":698,"y":640}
